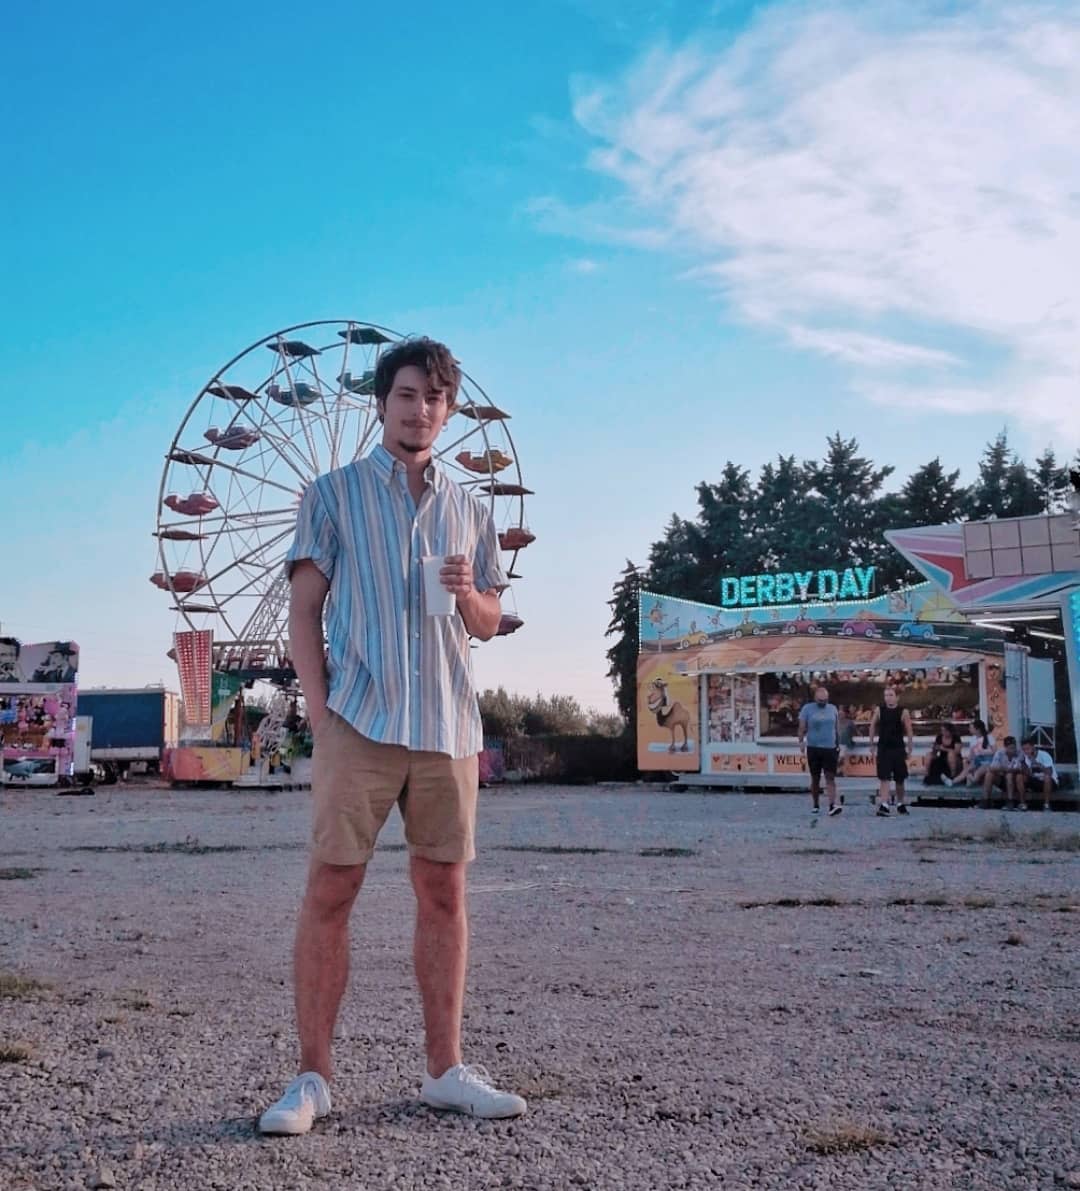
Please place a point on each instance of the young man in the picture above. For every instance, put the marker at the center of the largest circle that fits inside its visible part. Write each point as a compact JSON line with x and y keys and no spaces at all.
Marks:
{"x":820,"y":741}
{"x":394,"y":717}
{"x":1038,"y":772}
{"x":890,"y":725}
{"x":1004,"y":769}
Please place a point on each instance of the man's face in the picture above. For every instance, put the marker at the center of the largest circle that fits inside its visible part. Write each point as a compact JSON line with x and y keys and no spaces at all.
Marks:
{"x":890,"y":697}
{"x":8,"y":657}
{"x":821,"y":696}
{"x":1010,"y":749}
{"x":413,"y":413}
{"x":1029,"y":749}
{"x":55,"y":660}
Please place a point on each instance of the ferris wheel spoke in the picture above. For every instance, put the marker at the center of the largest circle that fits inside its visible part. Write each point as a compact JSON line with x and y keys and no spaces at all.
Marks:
{"x":335,"y":436}
{"x":240,"y":591}
{"x":471,"y":433}
{"x":278,"y":444}
{"x":236,"y":470}
{"x":325,"y":414}
{"x":251,"y":554}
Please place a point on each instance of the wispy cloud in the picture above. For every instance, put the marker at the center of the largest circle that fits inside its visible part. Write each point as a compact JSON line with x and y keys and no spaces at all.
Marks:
{"x":583,"y":265}
{"x":848,"y":172}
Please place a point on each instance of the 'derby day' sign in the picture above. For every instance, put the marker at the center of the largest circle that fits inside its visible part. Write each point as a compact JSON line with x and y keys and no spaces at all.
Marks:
{"x":791,"y":587}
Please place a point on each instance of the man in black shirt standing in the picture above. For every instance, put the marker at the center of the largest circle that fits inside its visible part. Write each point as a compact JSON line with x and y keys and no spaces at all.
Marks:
{"x":891,"y":723}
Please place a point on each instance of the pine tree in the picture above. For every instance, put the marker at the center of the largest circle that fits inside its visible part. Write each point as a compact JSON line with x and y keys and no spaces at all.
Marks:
{"x":1005,"y":487}
{"x":675,"y":560}
{"x":783,"y":529}
{"x":622,"y":656}
{"x":1051,"y":482}
{"x":845,"y":508}
{"x":931,"y":496}
{"x":725,"y":543}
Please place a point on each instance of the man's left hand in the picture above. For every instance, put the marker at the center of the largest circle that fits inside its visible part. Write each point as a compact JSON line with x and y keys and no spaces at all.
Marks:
{"x":457,"y":574}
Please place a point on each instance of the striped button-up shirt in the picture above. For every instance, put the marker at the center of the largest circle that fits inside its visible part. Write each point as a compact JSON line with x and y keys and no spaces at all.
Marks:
{"x":396,"y":674}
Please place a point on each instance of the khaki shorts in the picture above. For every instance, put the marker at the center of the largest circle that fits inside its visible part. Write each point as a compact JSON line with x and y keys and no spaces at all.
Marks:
{"x":355,"y":782}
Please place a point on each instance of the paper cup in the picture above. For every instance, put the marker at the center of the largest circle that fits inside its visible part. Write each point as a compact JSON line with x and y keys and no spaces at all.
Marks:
{"x":437,"y":600}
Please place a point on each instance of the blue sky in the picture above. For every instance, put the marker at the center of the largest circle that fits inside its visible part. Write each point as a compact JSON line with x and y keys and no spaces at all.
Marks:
{"x":660,"y":235}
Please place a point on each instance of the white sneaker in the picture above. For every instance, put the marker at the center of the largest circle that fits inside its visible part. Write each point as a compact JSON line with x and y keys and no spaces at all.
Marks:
{"x":470,"y":1090}
{"x":305,"y":1099}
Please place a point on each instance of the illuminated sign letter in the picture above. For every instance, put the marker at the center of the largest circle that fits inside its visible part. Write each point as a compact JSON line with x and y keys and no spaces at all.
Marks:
{"x":849,"y":586}
{"x":765,"y":589}
{"x":865,"y":575}
{"x":785,"y":588}
{"x":802,"y":582}
{"x":729,"y":592}
{"x":747,"y":593}
{"x":828,"y":583}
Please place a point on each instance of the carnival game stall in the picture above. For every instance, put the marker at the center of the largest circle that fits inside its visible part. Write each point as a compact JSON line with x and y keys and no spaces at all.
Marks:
{"x":720,"y":687}
{"x":37,"y":711}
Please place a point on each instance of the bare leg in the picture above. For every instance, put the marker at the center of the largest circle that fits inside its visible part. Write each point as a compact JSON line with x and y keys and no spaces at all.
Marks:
{"x":830,"y":788}
{"x":440,"y":953}
{"x":900,"y":793}
{"x":321,"y":958}
{"x":883,"y":793}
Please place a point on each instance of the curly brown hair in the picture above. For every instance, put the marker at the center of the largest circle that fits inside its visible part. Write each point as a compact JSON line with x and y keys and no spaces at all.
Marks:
{"x":433,"y":358}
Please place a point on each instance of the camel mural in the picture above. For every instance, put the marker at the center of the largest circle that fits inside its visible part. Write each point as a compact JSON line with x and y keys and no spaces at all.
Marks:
{"x":669,"y":715}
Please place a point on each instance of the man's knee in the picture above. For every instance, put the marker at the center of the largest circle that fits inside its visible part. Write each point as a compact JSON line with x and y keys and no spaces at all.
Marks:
{"x":332,"y":888}
{"x":440,"y":888}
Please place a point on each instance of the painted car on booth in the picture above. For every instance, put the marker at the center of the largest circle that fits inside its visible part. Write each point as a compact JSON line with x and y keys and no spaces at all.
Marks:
{"x":913,"y":630}
{"x":860,"y":626}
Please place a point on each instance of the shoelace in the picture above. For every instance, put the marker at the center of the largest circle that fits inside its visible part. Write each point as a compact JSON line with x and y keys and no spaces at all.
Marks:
{"x":294,"y":1097}
{"x":477,"y":1077}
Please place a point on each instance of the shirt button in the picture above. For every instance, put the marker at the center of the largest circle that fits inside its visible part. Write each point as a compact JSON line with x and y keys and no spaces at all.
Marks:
{"x":417,"y":636}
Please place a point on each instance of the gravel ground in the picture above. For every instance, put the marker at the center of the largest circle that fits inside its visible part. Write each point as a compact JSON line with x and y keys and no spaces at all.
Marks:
{"x":650,"y":969}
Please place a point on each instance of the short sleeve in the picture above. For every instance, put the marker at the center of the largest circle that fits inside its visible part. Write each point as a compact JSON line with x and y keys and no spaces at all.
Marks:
{"x":488,"y":574}
{"x":316,"y":538}
{"x":804,"y":714}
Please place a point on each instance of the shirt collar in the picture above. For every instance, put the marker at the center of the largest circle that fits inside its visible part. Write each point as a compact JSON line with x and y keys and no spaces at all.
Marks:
{"x":386,"y":466}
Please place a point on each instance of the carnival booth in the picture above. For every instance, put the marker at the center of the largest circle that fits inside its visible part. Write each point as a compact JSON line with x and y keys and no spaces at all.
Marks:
{"x":37,"y":711}
{"x":720,"y":687}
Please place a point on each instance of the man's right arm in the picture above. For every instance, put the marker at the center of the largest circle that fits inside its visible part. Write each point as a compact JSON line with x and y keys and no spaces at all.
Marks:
{"x":874,"y":726}
{"x":802,"y":726}
{"x":307,"y":595}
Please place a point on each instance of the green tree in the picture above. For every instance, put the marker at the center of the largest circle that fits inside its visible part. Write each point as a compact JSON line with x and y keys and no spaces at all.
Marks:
{"x":723,"y":538}
{"x":673,"y":560}
{"x":554,"y":715}
{"x":601,"y":723}
{"x":622,"y":655}
{"x":1004,"y":486}
{"x":782,"y":527}
{"x":1051,"y":482}
{"x":988,"y":492}
{"x":848,"y":513}
{"x":931,"y":496}
{"x":501,"y":713}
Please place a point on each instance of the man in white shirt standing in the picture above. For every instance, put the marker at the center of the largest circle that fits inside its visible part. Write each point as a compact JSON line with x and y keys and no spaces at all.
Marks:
{"x":394,"y":717}
{"x":1037,"y":773}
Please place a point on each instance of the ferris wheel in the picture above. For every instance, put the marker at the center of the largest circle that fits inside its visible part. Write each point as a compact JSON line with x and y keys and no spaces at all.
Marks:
{"x":291,"y":406}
